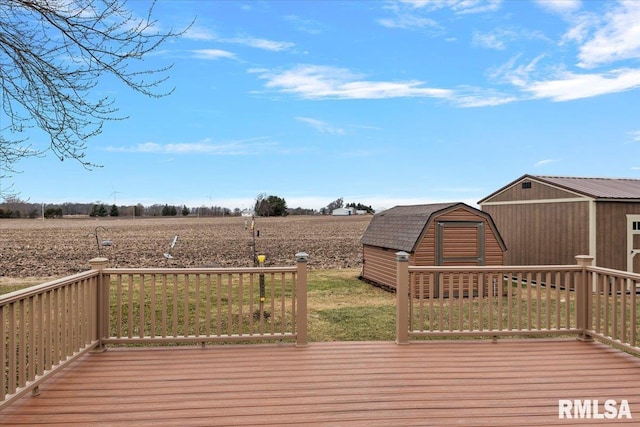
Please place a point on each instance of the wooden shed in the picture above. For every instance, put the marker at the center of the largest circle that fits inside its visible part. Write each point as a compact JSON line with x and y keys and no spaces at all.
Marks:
{"x":549,"y":220}
{"x":434,"y":234}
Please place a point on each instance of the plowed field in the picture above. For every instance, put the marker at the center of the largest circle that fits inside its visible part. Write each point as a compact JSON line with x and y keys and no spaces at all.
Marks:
{"x":59,"y":247}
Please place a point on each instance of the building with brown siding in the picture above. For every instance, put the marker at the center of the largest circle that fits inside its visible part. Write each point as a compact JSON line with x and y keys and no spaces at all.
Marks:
{"x":549,"y":220}
{"x":434,"y":234}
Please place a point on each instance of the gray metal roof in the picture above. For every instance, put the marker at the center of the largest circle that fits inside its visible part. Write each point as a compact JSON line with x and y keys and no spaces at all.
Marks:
{"x":605,"y":188}
{"x":597,"y":188}
{"x":400,"y":227}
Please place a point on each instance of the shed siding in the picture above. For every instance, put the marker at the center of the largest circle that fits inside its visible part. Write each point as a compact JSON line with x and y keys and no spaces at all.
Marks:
{"x":493,"y":252}
{"x":611,"y":233}
{"x":538,"y":191}
{"x":380,"y":265}
{"x":425,"y":253}
{"x":542,"y":233}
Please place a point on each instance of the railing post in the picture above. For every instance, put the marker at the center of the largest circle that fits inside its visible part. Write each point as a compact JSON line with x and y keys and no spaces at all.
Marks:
{"x":402,"y":291}
{"x":301,"y":314}
{"x":583,"y":298}
{"x":101,"y":304}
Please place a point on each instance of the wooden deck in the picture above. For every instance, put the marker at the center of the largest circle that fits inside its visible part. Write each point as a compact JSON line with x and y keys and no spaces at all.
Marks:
{"x":471,"y":383}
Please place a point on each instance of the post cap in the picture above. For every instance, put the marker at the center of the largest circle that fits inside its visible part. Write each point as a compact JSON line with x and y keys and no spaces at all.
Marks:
{"x":302,"y":257}
{"x":98,"y":263}
{"x":402,"y":256}
{"x":584,"y":260}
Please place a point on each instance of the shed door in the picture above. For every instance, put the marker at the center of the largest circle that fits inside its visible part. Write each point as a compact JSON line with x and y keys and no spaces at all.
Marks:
{"x":460,"y":243}
{"x":633,"y":243}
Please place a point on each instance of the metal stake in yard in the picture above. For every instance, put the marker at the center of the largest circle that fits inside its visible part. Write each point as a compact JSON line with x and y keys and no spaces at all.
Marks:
{"x":98,"y":243}
{"x":261,"y":314}
{"x":262,"y":292}
{"x":254,"y":233}
{"x":168,"y":255}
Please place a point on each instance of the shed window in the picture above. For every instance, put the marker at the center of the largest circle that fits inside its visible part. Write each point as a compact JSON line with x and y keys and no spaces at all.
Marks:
{"x":526,"y":184}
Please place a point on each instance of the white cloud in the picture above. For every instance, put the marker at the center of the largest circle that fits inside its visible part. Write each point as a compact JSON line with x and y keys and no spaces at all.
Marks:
{"x":318,"y":82}
{"x":618,"y":39}
{"x":200,"y":33}
{"x":581,"y":26}
{"x":474,"y":98}
{"x":320,"y":126}
{"x":212,"y":54}
{"x":410,"y":14}
{"x":258,"y":43}
{"x":498,"y":38}
{"x":415,"y":3}
{"x":635,"y":135}
{"x":325,"y":82}
{"x":458,"y":6}
{"x":543,"y":163}
{"x":564,"y":85}
{"x":408,"y":21}
{"x":231,"y":148}
{"x":517,"y":75}
{"x":561,"y":7}
{"x":204,"y":34}
{"x":572,"y":86}
{"x":491,"y":40}
{"x":476,"y":6}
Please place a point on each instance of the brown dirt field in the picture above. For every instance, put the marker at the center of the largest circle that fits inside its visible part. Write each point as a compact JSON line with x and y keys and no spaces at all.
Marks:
{"x":59,"y":247}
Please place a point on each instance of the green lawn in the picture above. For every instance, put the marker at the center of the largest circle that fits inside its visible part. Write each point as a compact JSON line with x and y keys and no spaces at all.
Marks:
{"x":343,"y":308}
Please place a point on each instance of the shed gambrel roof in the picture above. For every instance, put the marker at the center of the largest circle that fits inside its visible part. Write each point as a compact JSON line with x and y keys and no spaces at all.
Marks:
{"x":400,"y":227}
{"x":596,"y":188}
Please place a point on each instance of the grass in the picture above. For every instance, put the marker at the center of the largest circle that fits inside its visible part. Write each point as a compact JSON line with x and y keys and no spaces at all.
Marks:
{"x":343,"y":308}
{"x":10,"y":284}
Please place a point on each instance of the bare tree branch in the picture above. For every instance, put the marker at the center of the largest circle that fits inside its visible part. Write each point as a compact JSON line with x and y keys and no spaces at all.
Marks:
{"x":52,"y":54}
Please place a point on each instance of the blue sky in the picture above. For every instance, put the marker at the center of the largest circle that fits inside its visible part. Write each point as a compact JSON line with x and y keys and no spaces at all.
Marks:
{"x":378,"y":102}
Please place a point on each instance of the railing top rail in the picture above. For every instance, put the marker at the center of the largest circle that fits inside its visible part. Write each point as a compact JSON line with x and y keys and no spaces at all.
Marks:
{"x":494,"y":268}
{"x":203,"y":270}
{"x":612,"y":272}
{"x":44,"y":287}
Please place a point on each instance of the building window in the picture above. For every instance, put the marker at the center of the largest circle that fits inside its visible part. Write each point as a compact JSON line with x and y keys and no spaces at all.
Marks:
{"x":526,"y":184}
{"x":636,"y":225}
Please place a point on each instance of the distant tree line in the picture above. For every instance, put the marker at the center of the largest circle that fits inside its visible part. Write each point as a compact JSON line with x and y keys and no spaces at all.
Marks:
{"x":265,"y":205}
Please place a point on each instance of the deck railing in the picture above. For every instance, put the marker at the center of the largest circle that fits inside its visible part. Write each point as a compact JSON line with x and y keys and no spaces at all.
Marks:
{"x":614,"y":307}
{"x":179,"y":305}
{"x":455,"y":301}
{"x":42,"y":329}
{"x":45,"y":327}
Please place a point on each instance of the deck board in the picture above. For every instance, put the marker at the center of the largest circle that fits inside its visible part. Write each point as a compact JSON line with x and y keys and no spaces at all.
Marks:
{"x":471,"y":382}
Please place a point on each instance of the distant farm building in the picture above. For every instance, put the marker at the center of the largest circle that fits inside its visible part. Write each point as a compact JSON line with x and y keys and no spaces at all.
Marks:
{"x":549,"y":220}
{"x":434,"y":234}
{"x":343,"y":211}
